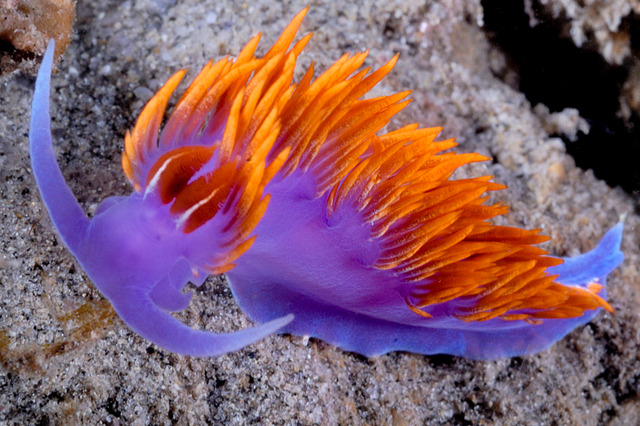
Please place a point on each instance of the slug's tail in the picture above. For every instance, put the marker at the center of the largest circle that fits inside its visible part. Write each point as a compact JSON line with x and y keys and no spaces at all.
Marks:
{"x":144,"y":317}
{"x":64,"y":210}
{"x":594,"y":264}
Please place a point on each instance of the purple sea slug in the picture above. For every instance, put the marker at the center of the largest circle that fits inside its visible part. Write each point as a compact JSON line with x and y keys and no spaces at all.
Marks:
{"x":324,"y":226}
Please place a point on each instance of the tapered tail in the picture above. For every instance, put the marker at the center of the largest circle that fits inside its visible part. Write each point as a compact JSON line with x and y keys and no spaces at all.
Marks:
{"x":595,"y":264}
{"x":64,"y":210}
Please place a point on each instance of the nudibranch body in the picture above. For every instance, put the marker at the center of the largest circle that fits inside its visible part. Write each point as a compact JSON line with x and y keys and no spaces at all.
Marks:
{"x":323,"y":226}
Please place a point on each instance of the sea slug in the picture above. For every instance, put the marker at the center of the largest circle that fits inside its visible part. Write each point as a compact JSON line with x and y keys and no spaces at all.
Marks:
{"x":324,"y":227}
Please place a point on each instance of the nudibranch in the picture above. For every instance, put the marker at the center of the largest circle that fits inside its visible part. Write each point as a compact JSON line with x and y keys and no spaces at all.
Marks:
{"x":324,"y":226}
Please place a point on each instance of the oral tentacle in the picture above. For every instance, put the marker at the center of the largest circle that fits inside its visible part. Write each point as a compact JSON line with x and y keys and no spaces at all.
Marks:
{"x":149,"y":321}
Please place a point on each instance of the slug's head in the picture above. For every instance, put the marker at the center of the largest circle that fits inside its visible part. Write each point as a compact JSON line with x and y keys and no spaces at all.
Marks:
{"x":141,"y":250}
{"x":139,"y":239}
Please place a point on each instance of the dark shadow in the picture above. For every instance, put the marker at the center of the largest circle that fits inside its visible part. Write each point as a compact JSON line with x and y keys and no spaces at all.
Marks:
{"x":556,"y":73}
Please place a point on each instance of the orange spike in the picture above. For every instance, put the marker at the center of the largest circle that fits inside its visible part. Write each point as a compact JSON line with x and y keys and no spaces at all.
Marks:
{"x":247,"y":52}
{"x":252,"y":218}
{"x":287,"y":35}
{"x":416,"y":309}
{"x":184,"y":121}
{"x":145,"y":133}
{"x":229,"y":136}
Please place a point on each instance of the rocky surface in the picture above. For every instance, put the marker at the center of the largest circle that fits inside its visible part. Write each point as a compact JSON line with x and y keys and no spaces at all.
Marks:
{"x":66,"y":358}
